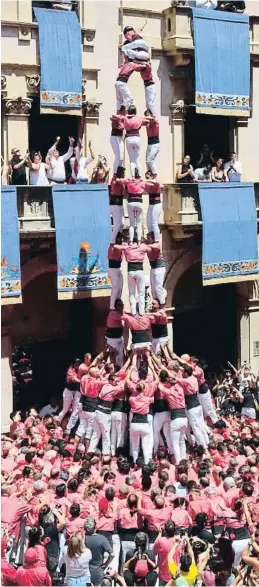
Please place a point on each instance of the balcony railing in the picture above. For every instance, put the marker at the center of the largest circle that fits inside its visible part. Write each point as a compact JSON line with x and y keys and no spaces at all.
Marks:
{"x":35,"y":209}
{"x":177,"y":36}
{"x":182,"y":208}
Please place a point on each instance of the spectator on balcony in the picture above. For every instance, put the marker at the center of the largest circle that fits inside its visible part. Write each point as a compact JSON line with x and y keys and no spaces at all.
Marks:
{"x":218,"y":174}
{"x":233,"y":166}
{"x":206,"y":157}
{"x":203,"y":174}
{"x":57,"y":172}
{"x":62,"y":5}
{"x":79,"y":164}
{"x":185,"y":173}
{"x":233,"y":6}
{"x":208,"y":4}
{"x":101,"y":172}
{"x":37,"y":174}
{"x":6,"y":172}
{"x":18,"y":165}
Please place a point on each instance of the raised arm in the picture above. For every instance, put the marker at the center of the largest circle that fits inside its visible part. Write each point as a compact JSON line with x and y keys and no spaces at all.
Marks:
{"x":70,"y":150}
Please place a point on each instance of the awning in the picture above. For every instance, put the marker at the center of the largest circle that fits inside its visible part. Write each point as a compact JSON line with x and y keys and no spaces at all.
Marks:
{"x":222,"y":62}
{"x":11,"y":291}
{"x":83,"y":234}
{"x":229,"y":243}
{"x":60,"y":62}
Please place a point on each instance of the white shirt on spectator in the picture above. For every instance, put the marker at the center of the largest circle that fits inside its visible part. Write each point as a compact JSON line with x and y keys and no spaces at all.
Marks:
{"x":58,"y":172}
{"x":209,"y":4}
{"x":47,"y":410}
{"x":237,"y":167}
{"x":181,"y":490}
{"x":39,"y":177}
{"x":78,"y":566}
{"x":83,"y":163}
{"x":199,"y":174}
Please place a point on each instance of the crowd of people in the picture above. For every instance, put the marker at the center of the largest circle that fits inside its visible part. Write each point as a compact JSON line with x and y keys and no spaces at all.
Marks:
{"x":236,"y":6}
{"x":83,"y":503}
{"x":209,"y":169}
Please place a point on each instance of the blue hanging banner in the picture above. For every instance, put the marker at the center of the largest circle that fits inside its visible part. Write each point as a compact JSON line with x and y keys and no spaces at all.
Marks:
{"x":222,"y":62}
{"x":229,"y":247}
{"x":60,"y":61}
{"x":83,"y":235}
{"x":11,"y":289}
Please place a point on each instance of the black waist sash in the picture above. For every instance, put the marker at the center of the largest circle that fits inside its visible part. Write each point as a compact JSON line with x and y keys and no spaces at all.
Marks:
{"x":123,"y":78}
{"x":159,"y":330}
{"x":73,"y":386}
{"x":203,"y":388}
{"x":154,"y":199}
{"x":139,"y":419}
{"x":178,"y":413}
{"x":191,"y":401}
{"x":240,"y":533}
{"x":119,"y":405}
{"x":114,"y":264}
{"x":140,"y":336}
{"x":135,"y":198}
{"x":161,"y":405}
{"x":148,"y":83}
{"x":88,"y":403}
{"x":135,"y":266}
{"x":153,"y":140}
{"x":157,"y":263}
{"x":132,"y":132}
{"x":104,"y":406}
{"x":114,"y":332}
{"x":117,"y":132}
{"x":116,"y":200}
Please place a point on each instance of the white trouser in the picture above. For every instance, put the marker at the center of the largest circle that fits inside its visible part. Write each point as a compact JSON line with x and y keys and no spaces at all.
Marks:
{"x":86,"y":425}
{"x":125,"y":546}
{"x":136,"y":285}
{"x":70,"y":398}
{"x":133,"y":148}
{"x":178,"y":432}
{"x":249,"y":413}
{"x":153,"y":214}
{"x":239,"y":547}
{"x":117,"y":145}
{"x":156,"y":343}
{"x":102,"y":429}
{"x":116,"y":278}
{"x":118,"y":430}
{"x":151,"y":154}
{"x":162,"y":421}
{"x":116,"y":548}
{"x":150,"y":420}
{"x":207,"y":406}
{"x":123,"y":95}
{"x":135,"y":213}
{"x":118,"y":345}
{"x":156,"y":281}
{"x":150,"y":97}
{"x":197,"y":424}
{"x":117,"y":213}
{"x":140,"y":431}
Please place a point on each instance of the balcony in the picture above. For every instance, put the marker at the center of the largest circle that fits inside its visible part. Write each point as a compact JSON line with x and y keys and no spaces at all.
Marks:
{"x":177,"y":37}
{"x":35,"y":210}
{"x":182,"y":214}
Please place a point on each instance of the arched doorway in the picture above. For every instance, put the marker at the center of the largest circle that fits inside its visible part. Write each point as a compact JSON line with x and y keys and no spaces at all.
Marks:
{"x":52,"y":331}
{"x":205,"y":322}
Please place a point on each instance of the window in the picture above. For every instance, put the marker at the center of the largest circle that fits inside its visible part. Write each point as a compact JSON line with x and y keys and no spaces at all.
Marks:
{"x":169,"y":26}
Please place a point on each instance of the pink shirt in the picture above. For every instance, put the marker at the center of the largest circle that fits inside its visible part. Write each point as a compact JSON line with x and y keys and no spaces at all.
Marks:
{"x":90,"y":386}
{"x":181,"y":518}
{"x":162,"y":547}
{"x":189,"y":385}
{"x":116,"y":188}
{"x":114,"y":319}
{"x":153,"y":128}
{"x":82,"y":370}
{"x":199,"y":374}
{"x":156,"y":517}
{"x":133,"y":122}
{"x":127,"y":68}
{"x":109,"y":392}
{"x":140,"y":404}
{"x":129,"y":520}
{"x":135,"y":186}
{"x":74,"y":525}
{"x":154,"y":253}
{"x":115,"y":252}
{"x":138,"y":322}
{"x":174,"y":395}
{"x":72,"y":376}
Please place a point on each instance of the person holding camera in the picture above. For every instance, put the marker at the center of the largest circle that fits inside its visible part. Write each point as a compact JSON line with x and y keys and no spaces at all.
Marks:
{"x":186,"y":569}
{"x":140,"y":565}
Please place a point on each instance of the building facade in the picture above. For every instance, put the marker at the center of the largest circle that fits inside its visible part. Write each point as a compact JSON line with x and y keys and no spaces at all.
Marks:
{"x":219,"y":323}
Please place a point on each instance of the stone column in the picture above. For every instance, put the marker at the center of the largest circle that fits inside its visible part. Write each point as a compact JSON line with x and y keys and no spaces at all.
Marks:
{"x":91,"y":113}
{"x":249,"y":328}
{"x":6,"y":372}
{"x":17,"y":113}
{"x":177,"y":125}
